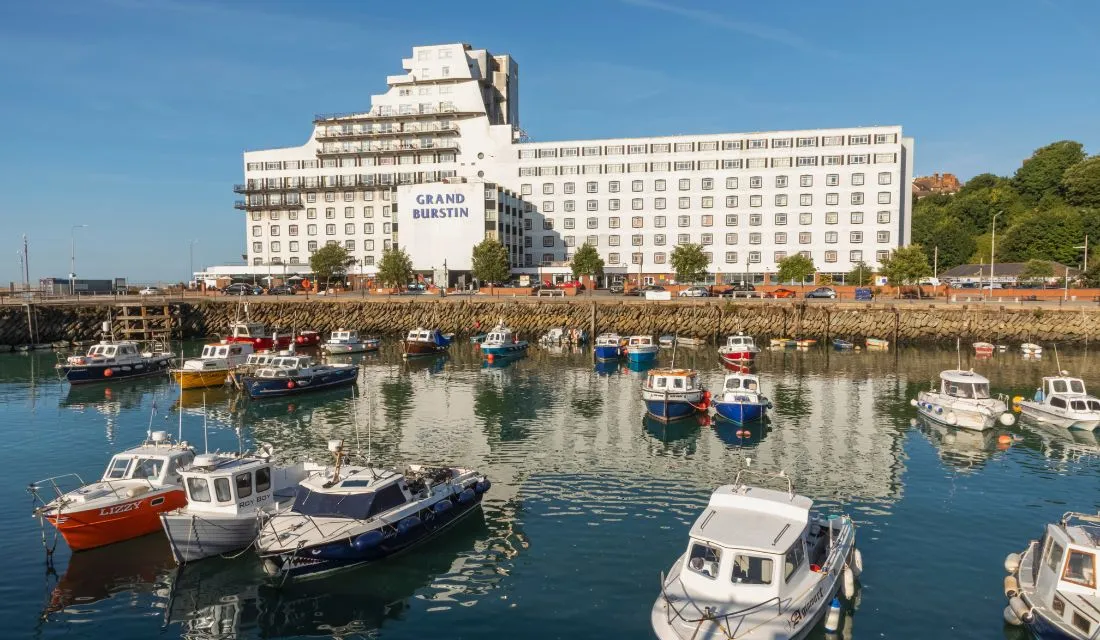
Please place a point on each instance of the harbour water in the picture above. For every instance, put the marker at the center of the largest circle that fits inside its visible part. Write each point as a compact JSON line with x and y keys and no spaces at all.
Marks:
{"x":589,"y":503}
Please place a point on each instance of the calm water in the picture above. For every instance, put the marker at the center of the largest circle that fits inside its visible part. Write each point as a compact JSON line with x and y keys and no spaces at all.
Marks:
{"x":589,"y":502}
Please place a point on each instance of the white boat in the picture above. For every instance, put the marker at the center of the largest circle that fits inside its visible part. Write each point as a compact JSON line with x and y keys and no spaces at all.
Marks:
{"x":640,"y":348}
{"x":673,"y":394}
{"x":212,"y":367}
{"x":228,"y":497}
{"x":759,"y":564}
{"x":347,"y":341}
{"x":501,"y":341}
{"x":1031,"y":349}
{"x":690,"y":341}
{"x":1051,"y":586}
{"x":1062,"y":401}
{"x":963,"y":401}
{"x":739,"y":349}
{"x":559,"y":336}
{"x":741,"y":400}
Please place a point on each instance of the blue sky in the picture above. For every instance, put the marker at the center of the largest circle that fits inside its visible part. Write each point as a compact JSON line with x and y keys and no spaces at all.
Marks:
{"x":130,"y":116}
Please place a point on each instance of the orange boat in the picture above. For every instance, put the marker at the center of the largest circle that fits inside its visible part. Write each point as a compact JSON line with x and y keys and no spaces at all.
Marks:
{"x":125,"y":503}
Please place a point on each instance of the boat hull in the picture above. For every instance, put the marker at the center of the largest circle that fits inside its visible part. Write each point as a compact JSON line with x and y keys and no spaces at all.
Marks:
{"x":296,"y":385}
{"x":667,"y":411}
{"x":608,"y":352}
{"x":84,"y":374}
{"x":641,"y":355}
{"x":740,"y":412}
{"x":104,"y":525}
{"x":963,"y":417}
{"x":512,"y":348}
{"x":738,"y":357}
{"x":418,"y":349}
{"x":197,"y":536}
{"x":350,"y":347}
{"x":1035,"y":411}
{"x":200,"y":379}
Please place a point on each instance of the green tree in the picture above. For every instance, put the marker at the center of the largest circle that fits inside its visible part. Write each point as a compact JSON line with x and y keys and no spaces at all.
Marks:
{"x":690,"y":263}
{"x":1042,"y":235}
{"x":795,"y":268}
{"x":1036,"y":270}
{"x":1081,"y":183}
{"x":395,"y":268}
{"x":586,"y":262}
{"x":1091,"y":277}
{"x":948,"y":244}
{"x":982,"y":181}
{"x":861,"y":274}
{"x":330,"y":261}
{"x":1042,"y":173}
{"x":906,"y":265}
{"x":490,"y":261}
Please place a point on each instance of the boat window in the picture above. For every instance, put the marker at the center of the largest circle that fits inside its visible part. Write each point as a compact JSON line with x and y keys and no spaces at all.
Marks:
{"x":1077,"y":386}
{"x":198,"y":490}
{"x":1053,"y":555}
{"x":312,"y":503}
{"x":1059,"y":386}
{"x":387,"y":498}
{"x":752,"y":569}
{"x":705,"y":559}
{"x":221,"y":489}
{"x":147,"y":468}
{"x":1081,"y":569}
{"x":109,"y":351}
{"x":981,"y":390}
{"x":263,"y":479}
{"x":206,"y":352}
{"x":1094,"y":405}
{"x":1058,"y":402}
{"x":677,"y":383}
{"x":793,"y":560}
{"x":1081,"y":623}
{"x":733,"y":383}
{"x":117,"y":469}
{"x":660,"y":383}
{"x":1080,"y":405}
{"x":244,"y":484}
{"x":222,"y":352}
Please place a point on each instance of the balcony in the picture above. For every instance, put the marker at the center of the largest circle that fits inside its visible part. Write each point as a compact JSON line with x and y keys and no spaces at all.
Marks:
{"x":397,"y":129}
{"x":255,"y":205}
{"x":260,"y":187}
{"x":379,"y":114}
{"x":366,"y":148}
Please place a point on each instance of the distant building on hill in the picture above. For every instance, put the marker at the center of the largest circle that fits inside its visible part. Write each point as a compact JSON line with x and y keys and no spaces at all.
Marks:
{"x":935,"y":183}
{"x":1006,"y":274}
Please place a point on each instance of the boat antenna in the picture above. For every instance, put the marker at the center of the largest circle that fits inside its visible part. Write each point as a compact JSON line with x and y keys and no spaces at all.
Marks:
{"x":1057,"y":360}
{"x":675,"y":341}
{"x":179,"y":434}
{"x":355,"y":422}
{"x":205,"y":438}
{"x":958,"y":351}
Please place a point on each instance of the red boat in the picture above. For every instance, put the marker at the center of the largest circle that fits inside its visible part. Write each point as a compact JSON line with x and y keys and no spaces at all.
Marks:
{"x":983,"y":349}
{"x":256,"y":334}
{"x":739,"y":350}
{"x":138,"y":485}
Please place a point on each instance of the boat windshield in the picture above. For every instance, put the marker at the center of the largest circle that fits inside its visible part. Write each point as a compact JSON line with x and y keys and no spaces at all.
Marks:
{"x":207,"y":352}
{"x":198,"y":490}
{"x":977,"y":390}
{"x":1077,"y":386}
{"x":705,"y":559}
{"x":749,"y":569}
{"x":346,"y":505}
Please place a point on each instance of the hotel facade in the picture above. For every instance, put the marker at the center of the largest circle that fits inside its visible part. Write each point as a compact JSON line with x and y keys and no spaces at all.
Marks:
{"x":439,"y":162}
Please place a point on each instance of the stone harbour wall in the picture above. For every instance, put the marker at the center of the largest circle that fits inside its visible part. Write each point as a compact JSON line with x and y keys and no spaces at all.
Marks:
{"x":714,"y":319}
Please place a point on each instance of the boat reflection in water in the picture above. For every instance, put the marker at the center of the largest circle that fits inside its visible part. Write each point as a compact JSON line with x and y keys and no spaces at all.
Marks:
{"x":736,"y":435}
{"x":680,"y":437}
{"x":1059,"y":443}
{"x":964,"y":448}
{"x":607,"y":367}
{"x":129,"y":567}
{"x":429,"y":365}
{"x":641,"y":366}
{"x":231,"y":599}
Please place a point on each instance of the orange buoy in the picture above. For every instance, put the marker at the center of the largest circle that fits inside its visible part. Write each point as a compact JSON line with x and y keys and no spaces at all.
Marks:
{"x":290,"y":384}
{"x":107,"y":373}
{"x":1005,"y":439}
{"x":489,"y":357}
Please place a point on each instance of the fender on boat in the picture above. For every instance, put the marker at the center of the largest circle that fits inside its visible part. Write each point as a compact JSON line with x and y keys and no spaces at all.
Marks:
{"x":405,"y":525}
{"x":483,"y":485}
{"x":466,"y":497}
{"x":368,"y":540}
{"x":443,"y":506}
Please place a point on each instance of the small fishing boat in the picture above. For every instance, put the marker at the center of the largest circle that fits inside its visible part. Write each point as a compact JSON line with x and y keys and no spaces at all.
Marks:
{"x":759,"y":564}
{"x":559,"y":336}
{"x":782,"y":343}
{"x":113,"y":360}
{"x":502,"y":342}
{"x":478,"y":338}
{"x":739,"y":349}
{"x":213,"y":366}
{"x":1031,"y":349}
{"x":609,"y":346}
{"x":348,"y":341}
{"x":138,"y":484}
{"x":842,"y":345}
{"x":253,"y":363}
{"x":425,"y":342}
{"x":257,"y":334}
{"x":673,"y":394}
{"x":877,"y":344}
{"x":690,"y":341}
{"x":228,"y":496}
{"x":983,"y":349}
{"x":1051,"y":586}
{"x":963,"y":401}
{"x":348,"y":516}
{"x":666,"y":341}
{"x":805,"y":343}
{"x":640,"y":349}
{"x":288,"y":374}
{"x":741,"y":400}
{"x":1063,"y":401}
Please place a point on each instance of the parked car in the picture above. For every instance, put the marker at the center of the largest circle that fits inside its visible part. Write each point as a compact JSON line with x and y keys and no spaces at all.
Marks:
{"x":822,"y":292}
{"x":740,"y":289}
{"x":695,"y":292}
{"x":281,"y":290}
{"x":781,"y":293}
{"x":865,"y":293}
{"x":616,"y":288}
{"x":572,"y":284}
{"x":239,"y":289}
{"x":640,"y":291}
{"x":151,"y":291}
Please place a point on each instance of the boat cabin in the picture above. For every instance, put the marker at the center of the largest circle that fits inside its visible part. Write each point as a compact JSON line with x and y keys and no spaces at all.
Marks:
{"x":361,"y":493}
{"x":740,"y":342}
{"x":248,"y":330}
{"x":283,"y":366}
{"x":640,"y":341}
{"x":259,"y":359}
{"x":608,"y":340}
{"x":750,"y":545}
{"x":741,"y":382}
{"x":156,"y":461}
{"x":1065,"y":572}
{"x":672,"y":380}
{"x":420,"y":335}
{"x":229,"y":484}
{"x":1066,"y":393}
{"x":226,"y":351}
{"x":343,"y":336}
{"x":500,"y":335}
{"x":111,"y":350}
{"x":964,"y":384}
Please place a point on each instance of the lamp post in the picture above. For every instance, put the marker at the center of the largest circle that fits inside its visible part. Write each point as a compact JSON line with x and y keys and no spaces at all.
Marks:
{"x":72,"y":258}
{"x":1085,"y":266}
{"x":993,"y":252}
{"x":191,"y":260}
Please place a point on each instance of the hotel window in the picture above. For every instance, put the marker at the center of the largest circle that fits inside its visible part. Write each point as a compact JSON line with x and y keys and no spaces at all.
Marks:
{"x":756,"y":163}
{"x":857,"y":217}
{"x":779,"y":256}
{"x":548,"y":188}
{"x":732,"y":164}
{"x":311,"y":229}
{"x":755,"y":238}
{"x":731,"y":238}
{"x":613,"y":222}
{"x":569,"y":187}
{"x":613,"y":150}
{"x":386,"y":228}
{"x":659,"y":148}
{"x":592,"y":240}
{"x":368,"y":211}
{"x":528,"y":242}
{"x":731,"y":202}
{"x":349,"y":196}
{"x":855,"y":256}
{"x":368,"y":228}
{"x":861,"y":139}
{"x":257,"y":231}
{"x":330,"y":213}
{"x":857,"y":197}
{"x":708,"y":165}
{"x":330,"y":229}
{"x":780,"y":219}
{"x":547,"y":258}
{"x":683,"y":165}
{"x":570,"y":152}
{"x":884,"y":158}
{"x":292,"y":230}
{"x":636,"y":258}
{"x":855,"y":237}
{"x":807,"y":161}
{"x":832,"y":198}
{"x":527,"y":171}
{"x":780,"y":182}
{"x":860,"y":159}
{"x":708,"y":202}
{"x":805,"y":218}
{"x":311,"y":197}
{"x":883,"y":236}
{"x":659,"y":240}
{"x":330,"y":196}
{"x":832,"y":180}
{"x":636,"y":204}
{"x":781,"y":162}
{"x":659,"y":203}
{"x":758,"y":143}
{"x":885,"y":177}
{"x":525,"y":189}
{"x":832,"y":141}
{"x":731,"y":257}
{"x":832,"y":217}
{"x":683,"y":146}
{"x":637,"y":222}
{"x":613,"y":186}
{"x":711,"y":145}
{"x":683,"y":221}
{"x":684,"y":203}
{"x":311,"y":214}
{"x":548,"y":241}
{"x":349,"y":245}
{"x":527,"y":224}
{"x":885,"y":138}
{"x":311,"y":246}
{"x":613,"y":258}
{"x":857,"y":179}
{"x":706,"y":239}
{"x":807,"y":142}
{"x":257,"y":247}
{"x":756,"y":219}
{"x":756,"y":182}
{"x":293,"y":246}
{"x":636,"y":239}
{"x":548,"y":206}
{"x":731,"y":145}
{"x":592,"y":223}
{"x":832,"y":237}
{"x":385,"y":211}
{"x":635,"y":148}
{"x":882,"y":256}
{"x":884,"y":197}
{"x":756,"y":201}
{"x":804,"y":237}
{"x":591,"y":169}
{"x":592,"y":187}
{"x":683,"y":238}
{"x":780,"y":199}
{"x":805,"y":200}
{"x":707,"y":184}
{"x":659,"y":185}
{"x":781,"y":143}
{"x":731,"y":219}
{"x":832,"y":161}
{"x":830,"y":256}
{"x":613,"y":204}
{"x":754,"y":256}
{"x":547,"y":224}
{"x":659,"y":166}
{"x":590,"y":151}
{"x":659,"y":221}
{"x":780,"y":237}
{"x":637,"y":185}
{"x":349,"y":212}
{"x":570,"y":205}
{"x":548,"y":153}
{"x":731,"y":183}
{"x":570,"y":241}
{"x":257,"y":216}
{"x":883,"y":217}
{"x":569,"y":223}
{"x":367,"y":260}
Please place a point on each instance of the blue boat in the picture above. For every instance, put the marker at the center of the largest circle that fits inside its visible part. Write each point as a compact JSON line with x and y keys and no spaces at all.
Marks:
{"x":348,"y":516}
{"x":110,"y":360}
{"x":640,"y":349}
{"x":842,"y":345}
{"x":741,"y":400}
{"x":609,"y":346}
{"x":673,"y":394}
{"x":502,"y":342}
{"x":288,"y":374}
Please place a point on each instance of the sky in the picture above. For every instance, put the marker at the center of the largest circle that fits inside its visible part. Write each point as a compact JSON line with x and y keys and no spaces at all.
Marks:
{"x":130,"y":116}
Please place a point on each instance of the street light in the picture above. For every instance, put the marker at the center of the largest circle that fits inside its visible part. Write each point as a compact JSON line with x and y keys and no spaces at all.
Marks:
{"x":72,"y":258}
{"x":993,"y":252}
{"x":1085,"y":266}
{"x":191,"y":258}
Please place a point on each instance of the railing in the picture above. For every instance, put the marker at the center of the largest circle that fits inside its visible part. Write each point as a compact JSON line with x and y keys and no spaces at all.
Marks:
{"x":386,"y":148}
{"x":709,"y":615}
{"x":397,"y":129}
{"x":378,"y":113}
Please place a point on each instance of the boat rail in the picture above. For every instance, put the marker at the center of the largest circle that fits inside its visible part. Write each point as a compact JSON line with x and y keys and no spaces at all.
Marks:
{"x":60,"y":493}
{"x":709,"y":615}
{"x":765,"y":474}
{"x":53,"y":484}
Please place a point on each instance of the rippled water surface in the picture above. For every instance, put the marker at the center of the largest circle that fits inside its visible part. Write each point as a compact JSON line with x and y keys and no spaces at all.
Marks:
{"x":589,"y":501}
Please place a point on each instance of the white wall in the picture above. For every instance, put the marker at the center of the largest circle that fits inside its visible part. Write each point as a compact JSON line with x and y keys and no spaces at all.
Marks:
{"x":438,"y":222}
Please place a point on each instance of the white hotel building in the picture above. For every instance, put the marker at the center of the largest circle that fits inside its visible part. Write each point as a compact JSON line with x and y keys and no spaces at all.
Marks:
{"x":449,"y":125}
